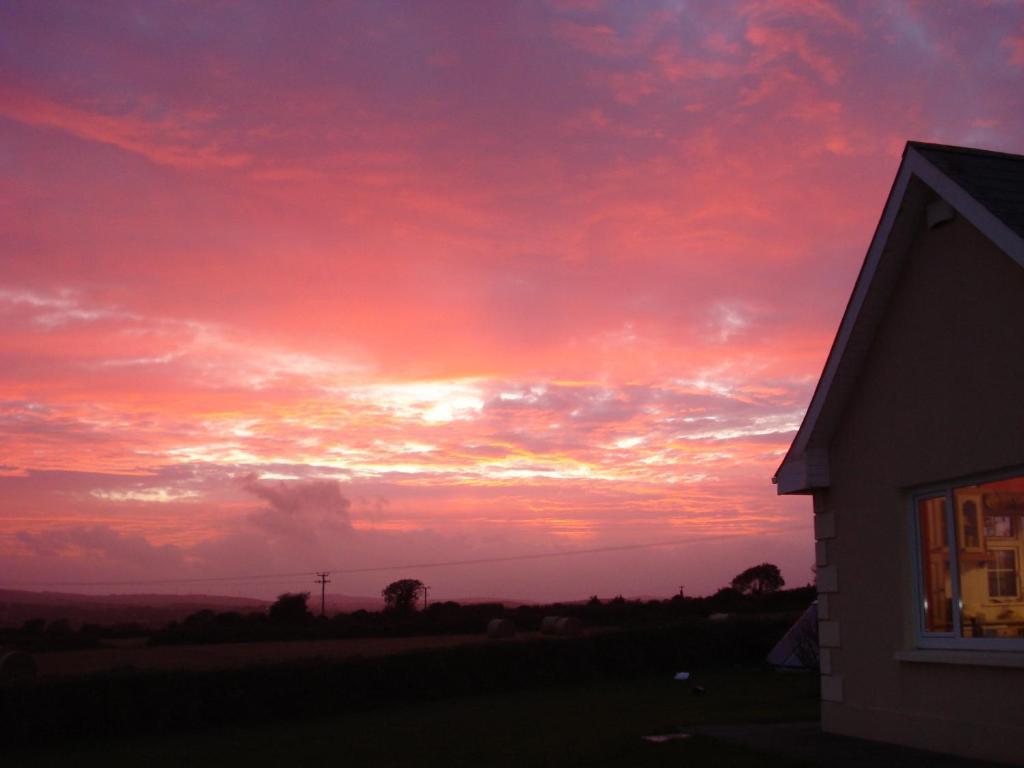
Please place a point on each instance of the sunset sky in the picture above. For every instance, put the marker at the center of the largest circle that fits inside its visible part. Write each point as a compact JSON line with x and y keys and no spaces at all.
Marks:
{"x":304,"y":286}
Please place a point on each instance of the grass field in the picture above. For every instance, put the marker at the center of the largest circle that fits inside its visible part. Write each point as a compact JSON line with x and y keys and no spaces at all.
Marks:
{"x":600,"y":724}
{"x":232,"y":655}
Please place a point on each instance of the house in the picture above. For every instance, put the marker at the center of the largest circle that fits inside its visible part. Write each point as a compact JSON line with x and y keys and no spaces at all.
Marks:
{"x":913,"y":451}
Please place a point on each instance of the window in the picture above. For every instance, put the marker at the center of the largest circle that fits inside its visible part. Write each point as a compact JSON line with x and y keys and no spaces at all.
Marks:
{"x":969,"y":549}
{"x":937,"y":605}
{"x":1002,"y":574}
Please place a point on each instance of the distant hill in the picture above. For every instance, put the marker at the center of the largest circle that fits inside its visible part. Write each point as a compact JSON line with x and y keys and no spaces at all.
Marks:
{"x":156,"y":610}
{"x":338,"y":603}
{"x":152,"y":610}
{"x":15,"y":596}
{"x":17,"y":606}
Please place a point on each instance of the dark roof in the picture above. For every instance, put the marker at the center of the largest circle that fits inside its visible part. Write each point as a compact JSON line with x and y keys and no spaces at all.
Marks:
{"x":994,"y":179}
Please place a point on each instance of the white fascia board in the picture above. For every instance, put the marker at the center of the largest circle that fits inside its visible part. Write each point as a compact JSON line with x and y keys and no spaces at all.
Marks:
{"x":804,"y":473}
{"x":793,"y":475}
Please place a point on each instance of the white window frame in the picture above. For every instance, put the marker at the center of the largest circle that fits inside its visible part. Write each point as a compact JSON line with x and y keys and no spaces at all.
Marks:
{"x":951,"y":640}
{"x":1016,"y":596}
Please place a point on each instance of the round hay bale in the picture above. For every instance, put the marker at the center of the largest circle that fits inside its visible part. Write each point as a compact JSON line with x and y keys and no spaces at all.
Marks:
{"x":569,"y":627}
{"x":549,"y":625}
{"x":497,"y":628}
{"x":16,"y":665}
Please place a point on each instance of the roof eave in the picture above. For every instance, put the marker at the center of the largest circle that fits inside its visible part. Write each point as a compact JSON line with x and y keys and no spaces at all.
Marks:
{"x":804,"y":474}
{"x":791,"y":475}
{"x":805,"y":468}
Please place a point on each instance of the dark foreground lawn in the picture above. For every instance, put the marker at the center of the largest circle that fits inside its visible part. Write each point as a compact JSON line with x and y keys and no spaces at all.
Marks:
{"x":598,"y":724}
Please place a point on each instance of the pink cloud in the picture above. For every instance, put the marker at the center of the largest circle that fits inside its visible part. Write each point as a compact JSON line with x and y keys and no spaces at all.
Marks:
{"x":597,"y":39}
{"x":488,"y":282}
{"x":101,"y":547}
{"x":1016,"y":46}
{"x":815,"y":10}
{"x":631,"y":87}
{"x":774,"y":43}
{"x":164,"y":141}
{"x":308,"y":509}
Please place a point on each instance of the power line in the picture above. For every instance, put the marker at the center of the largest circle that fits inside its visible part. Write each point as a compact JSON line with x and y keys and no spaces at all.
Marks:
{"x":406,"y":566}
{"x":564,"y":553}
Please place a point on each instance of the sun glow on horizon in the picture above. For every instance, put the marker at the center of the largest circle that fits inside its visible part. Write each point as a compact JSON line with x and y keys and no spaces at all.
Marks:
{"x":385,"y":288}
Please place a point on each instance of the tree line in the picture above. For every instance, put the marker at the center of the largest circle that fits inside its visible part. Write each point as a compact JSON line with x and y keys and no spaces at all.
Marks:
{"x":758,"y":589}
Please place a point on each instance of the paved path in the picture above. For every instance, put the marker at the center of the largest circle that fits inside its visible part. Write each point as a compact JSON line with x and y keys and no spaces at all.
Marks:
{"x":806,"y":743}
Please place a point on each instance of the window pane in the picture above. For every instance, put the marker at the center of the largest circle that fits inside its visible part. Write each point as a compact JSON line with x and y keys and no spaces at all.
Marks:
{"x":1002,"y":574}
{"x":988,"y":553}
{"x":935,"y":578}
{"x":998,"y":526}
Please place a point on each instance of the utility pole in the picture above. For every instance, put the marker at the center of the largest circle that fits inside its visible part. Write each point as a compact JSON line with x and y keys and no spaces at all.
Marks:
{"x":426,"y":593}
{"x":323,"y":580}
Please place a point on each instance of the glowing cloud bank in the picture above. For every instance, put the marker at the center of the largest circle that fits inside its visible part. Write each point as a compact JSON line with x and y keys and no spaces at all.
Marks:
{"x":308,"y":287}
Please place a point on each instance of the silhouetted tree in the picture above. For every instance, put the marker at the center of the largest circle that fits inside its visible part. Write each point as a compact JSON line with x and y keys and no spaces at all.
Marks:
{"x":33,"y":626}
{"x":203,"y":618}
{"x":59,"y":628}
{"x":759,"y":580}
{"x":290,"y":609}
{"x":401,"y":595}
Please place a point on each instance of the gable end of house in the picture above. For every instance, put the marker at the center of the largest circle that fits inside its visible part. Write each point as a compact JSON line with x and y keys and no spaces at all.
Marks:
{"x":933,"y":183}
